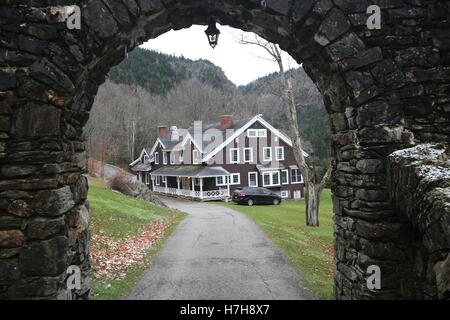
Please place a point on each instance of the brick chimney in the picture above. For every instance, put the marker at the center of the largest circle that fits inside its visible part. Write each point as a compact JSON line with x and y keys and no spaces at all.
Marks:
{"x":225,"y":122}
{"x":163,"y":132}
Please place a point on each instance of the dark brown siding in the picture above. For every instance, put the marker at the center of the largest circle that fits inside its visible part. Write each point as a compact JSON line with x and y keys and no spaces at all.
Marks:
{"x":258,"y":144}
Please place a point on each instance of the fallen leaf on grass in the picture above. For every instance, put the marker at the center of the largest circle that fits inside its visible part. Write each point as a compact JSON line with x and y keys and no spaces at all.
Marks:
{"x":113,"y":259}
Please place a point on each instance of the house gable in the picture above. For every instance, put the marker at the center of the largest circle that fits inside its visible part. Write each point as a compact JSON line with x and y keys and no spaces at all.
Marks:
{"x":243,"y":129}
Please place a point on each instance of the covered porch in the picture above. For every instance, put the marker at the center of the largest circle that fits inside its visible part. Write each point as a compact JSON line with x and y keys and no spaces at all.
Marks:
{"x":195,"y":182}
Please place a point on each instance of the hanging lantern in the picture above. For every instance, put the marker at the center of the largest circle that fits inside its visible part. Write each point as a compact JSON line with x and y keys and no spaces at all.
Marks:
{"x":212,"y":33}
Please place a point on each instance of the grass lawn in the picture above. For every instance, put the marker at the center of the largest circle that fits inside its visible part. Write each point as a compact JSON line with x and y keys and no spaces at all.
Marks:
{"x":117,"y":217}
{"x":307,"y":249}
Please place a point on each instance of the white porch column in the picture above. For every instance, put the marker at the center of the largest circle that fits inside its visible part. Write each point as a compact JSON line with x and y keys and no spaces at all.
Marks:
{"x":228,"y":187}
{"x":165,"y":185}
{"x":153,"y":182}
{"x":178,"y":185}
{"x":193,"y":187}
{"x":201,"y":188}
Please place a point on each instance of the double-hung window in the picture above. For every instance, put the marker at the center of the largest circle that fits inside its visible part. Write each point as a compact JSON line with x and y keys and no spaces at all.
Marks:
{"x":271,"y":178}
{"x":253,"y":179}
{"x":234,"y":155}
{"x":284,"y":176}
{"x":279,"y":153}
{"x":267,"y":154}
{"x":248,"y":155}
{"x":296,"y":176}
{"x":222,"y":180}
{"x":156,"y":157}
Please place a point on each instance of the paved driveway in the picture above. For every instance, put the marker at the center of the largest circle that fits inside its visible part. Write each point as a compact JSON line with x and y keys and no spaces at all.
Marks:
{"x":217,"y":253}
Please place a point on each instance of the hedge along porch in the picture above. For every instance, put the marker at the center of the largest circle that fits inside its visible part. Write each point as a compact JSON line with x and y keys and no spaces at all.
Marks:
{"x":384,"y":89}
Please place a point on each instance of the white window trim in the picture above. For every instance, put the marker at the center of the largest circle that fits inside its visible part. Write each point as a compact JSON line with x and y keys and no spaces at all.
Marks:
{"x":264,"y":154}
{"x":156,"y":157}
{"x":225,"y":179}
{"x":172,"y":157}
{"x":224,"y":183}
{"x":231,"y":155}
{"x":301,"y":177}
{"x":254,"y":131}
{"x":271,"y":174}
{"x":257,"y":133}
{"x":251,"y":155}
{"x":256,"y":175}
{"x":294,"y":192}
{"x":287,"y":176}
{"x":195,"y":157}
{"x":164,"y":157}
{"x":164,"y":179}
{"x":264,"y":133}
{"x":181,"y":156}
{"x":276,"y":153}
{"x":286,"y":194}
{"x":157,"y":180}
{"x":231,"y":179}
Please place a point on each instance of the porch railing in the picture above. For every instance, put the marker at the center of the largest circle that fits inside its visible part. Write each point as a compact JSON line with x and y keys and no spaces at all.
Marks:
{"x":205,"y":195}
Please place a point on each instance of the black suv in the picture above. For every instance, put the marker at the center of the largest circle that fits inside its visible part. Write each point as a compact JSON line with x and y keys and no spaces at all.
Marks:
{"x":251,"y":196}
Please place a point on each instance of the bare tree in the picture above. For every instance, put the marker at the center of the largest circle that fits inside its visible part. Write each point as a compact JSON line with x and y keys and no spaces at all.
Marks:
{"x":313,"y":187}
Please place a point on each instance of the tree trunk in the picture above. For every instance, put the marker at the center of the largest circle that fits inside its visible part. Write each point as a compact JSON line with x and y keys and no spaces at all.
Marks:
{"x":312,"y":198}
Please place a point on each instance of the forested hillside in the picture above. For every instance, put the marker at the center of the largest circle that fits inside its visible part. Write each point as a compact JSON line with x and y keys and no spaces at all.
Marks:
{"x":159,"y":73}
{"x":149,"y":89}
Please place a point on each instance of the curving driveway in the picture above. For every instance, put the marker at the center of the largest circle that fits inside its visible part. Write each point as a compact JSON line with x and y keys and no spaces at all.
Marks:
{"x":217,"y":253}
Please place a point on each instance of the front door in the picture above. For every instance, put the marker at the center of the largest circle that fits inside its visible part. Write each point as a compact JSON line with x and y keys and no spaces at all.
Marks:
{"x":186,"y":183}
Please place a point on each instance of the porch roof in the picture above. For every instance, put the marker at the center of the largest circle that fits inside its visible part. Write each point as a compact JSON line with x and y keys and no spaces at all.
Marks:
{"x":191,"y":171}
{"x":270,"y":167}
{"x":141,"y":167}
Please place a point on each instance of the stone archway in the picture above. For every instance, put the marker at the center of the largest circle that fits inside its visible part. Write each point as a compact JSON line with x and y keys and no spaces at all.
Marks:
{"x":384,"y":90}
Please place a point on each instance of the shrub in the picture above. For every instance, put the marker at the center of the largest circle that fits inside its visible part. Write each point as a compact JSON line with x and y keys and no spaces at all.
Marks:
{"x":121,"y":183}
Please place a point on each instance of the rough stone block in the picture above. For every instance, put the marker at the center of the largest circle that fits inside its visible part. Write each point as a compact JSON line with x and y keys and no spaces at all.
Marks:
{"x":53,"y":202}
{"x":41,"y":228}
{"x":99,"y":19}
{"x":34,"y":121}
{"x":11,"y":238}
{"x":45,"y":257}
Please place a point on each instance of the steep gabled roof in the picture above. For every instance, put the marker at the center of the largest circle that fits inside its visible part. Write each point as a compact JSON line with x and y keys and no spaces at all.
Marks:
{"x":242,"y":129}
{"x":203,"y":142}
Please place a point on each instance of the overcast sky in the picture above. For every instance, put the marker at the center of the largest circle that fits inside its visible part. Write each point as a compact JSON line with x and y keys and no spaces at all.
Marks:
{"x":241,"y":63}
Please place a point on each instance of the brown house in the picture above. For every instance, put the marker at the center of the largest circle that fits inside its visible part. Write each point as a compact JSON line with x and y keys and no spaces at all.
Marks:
{"x":208,"y":162}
